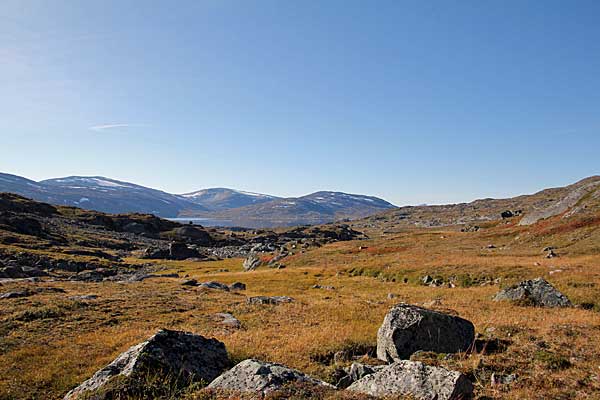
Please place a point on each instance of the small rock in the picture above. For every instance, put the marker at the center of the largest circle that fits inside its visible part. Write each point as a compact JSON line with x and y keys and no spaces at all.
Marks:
{"x":269,"y":300}
{"x":84,"y":297}
{"x":228,"y":320}
{"x":237,"y":286}
{"x":214,"y":285}
{"x":17,"y":294}
{"x":391,"y":296}
{"x":189,"y":282}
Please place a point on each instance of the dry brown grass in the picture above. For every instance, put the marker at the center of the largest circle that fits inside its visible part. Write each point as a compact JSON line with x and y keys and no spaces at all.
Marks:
{"x":555,"y":352}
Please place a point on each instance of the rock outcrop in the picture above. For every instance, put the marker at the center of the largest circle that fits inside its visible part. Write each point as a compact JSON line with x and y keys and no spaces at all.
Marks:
{"x":407,"y":329}
{"x":261,"y":377}
{"x":537,"y":292}
{"x":186,"y":356}
{"x":415,"y":379}
{"x":252,"y":262}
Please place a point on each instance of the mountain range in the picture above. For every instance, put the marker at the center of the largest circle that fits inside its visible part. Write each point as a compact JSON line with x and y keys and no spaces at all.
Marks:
{"x":214,"y":206}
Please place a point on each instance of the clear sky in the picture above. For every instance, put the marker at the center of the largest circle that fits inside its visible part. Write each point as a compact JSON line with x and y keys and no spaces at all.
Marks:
{"x":413,"y":101}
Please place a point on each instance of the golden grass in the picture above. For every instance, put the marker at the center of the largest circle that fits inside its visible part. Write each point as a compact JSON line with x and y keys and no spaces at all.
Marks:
{"x":44,"y":358}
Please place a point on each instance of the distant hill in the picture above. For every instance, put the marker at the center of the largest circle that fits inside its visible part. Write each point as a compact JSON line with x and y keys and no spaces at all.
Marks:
{"x":215,"y":206}
{"x":223,"y":198}
{"x":315,"y":208}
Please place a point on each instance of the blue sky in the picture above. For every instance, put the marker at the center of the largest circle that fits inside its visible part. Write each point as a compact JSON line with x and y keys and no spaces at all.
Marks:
{"x":413,"y":101}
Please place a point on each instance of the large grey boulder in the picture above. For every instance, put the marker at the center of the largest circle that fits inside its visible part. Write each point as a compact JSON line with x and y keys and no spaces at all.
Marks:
{"x":537,"y":292}
{"x":260,"y":377}
{"x":192,"y":358}
{"x":407,"y":329}
{"x":415,"y":379}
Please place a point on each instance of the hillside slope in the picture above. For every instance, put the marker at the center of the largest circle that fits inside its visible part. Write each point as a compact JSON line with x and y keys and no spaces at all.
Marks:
{"x":576,"y":199}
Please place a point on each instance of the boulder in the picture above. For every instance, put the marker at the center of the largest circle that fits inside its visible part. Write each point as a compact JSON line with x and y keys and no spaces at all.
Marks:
{"x":413,"y":378}
{"x":407,"y":329}
{"x":537,"y":292}
{"x":180,"y":251}
{"x":355,"y":372}
{"x":269,"y":300}
{"x":252,"y":262}
{"x":190,"y":357}
{"x":261,"y":377}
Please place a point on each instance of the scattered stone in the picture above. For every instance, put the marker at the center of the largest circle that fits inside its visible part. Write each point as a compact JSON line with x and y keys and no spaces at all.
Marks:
{"x":17,"y":294}
{"x":84,"y":297}
{"x":237,"y":286}
{"x":551,"y":254}
{"x":537,"y":292}
{"x":415,"y":379}
{"x":214,"y":285}
{"x":261,"y":377}
{"x":426,"y":279}
{"x":189,"y":282}
{"x":498,"y":379}
{"x":185,"y":355}
{"x":392,"y":296}
{"x":228,"y":320}
{"x":323,"y":287}
{"x":269,"y":300}
{"x":407,"y":329}
{"x":252,"y":262}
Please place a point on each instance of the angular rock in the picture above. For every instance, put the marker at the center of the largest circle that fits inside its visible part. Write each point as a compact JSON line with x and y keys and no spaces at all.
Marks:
{"x":237,"y":286}
{"x":180,"y":251}
{"x":415,"y":379}
{"x":215,"y":285}
{"x":261,"y":377}
{"x":269,"y":300}
{"x":14,"y":295}
{"x":180,"y":354}
{"x":252,"y":262}
{"x":407,"y":329}
{"x":189,"y":282}
{"x":228,"y":320}
{"x":537,"y":292}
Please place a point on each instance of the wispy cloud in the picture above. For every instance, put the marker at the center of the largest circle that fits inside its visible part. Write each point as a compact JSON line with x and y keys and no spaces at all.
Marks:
{"x":104,"y":127}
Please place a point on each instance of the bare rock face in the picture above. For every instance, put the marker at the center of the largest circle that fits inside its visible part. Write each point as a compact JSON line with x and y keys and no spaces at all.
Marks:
{"x":407,"y":329}
{"x":190,"y":357}
{"x":415,"y":379}
{"x":260,"y":377}
{"x":537,"y":292}
{"x":252,"y":262}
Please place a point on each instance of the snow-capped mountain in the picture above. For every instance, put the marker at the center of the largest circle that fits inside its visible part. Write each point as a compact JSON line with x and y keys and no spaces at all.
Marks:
{"x":315,"y":208}
{"x":214,"y":206}
{"x":224,"y":198}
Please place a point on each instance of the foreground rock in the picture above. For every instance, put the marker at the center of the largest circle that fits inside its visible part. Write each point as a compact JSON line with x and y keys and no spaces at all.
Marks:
{"x":415,"y":379}
{"x":537,"y":292}
{"x":355,"y":372}
{"x":261,"y":377}
{"x":407,"y":329}
{"x":269,"y":300}
{"x":186,"y":356}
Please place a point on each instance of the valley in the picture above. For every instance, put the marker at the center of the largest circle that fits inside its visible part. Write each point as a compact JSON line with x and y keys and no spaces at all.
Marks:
{"x":86,"y":286}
